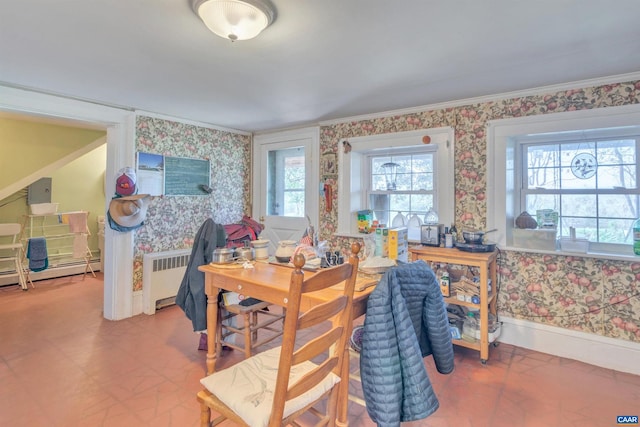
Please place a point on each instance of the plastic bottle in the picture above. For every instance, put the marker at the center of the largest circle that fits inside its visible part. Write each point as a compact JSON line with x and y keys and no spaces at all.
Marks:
{"x":469,"y":327}
{"x":454,"y":233}
{"x":636,"y":237}
{"x":399,"y":220}
{"x":445,"y":283}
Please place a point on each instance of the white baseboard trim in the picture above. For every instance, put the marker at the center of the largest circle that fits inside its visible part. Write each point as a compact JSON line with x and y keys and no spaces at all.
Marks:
{"x":138,"y":303}
{"x":50,"y":273}
{"x":610,"y":353}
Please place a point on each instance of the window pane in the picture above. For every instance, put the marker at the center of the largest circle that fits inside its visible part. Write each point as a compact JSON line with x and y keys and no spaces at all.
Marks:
{"x":294,"y":203}
{"x":401,"y":203}
{"x":617,"y":152}
{"x":420,"y":203}
{"x":568,"y":151}
{"x":379,"y":204}
{"x":543,"y":156}
{"x":579,"y":205}
{"x":623,"y":176}
{"x":616,"y":231}
{"x":378,"y":183}
{"x":403,"y":181}
{"x":542,"y":201}
{"x":618,"y":206}
{"x":571,"y":182}
{"x":544,"y":178}
{"x":286,"y":182}
{"x":586,"y":228}
{"x":414,"y":175}
{"x":422,"y":182}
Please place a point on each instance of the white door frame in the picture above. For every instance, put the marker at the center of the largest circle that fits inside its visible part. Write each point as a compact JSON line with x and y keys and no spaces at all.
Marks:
{"x":311,"y":186}
{"x":120,"y":126}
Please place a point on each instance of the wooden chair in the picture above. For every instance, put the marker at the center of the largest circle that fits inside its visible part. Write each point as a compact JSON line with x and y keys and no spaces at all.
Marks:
{"x":254,"y":318}
{"x":11,"y":250}
{"x":275,"y":387}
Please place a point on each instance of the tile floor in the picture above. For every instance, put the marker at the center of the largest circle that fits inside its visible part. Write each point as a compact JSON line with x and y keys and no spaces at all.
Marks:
{"x":62,"y":364}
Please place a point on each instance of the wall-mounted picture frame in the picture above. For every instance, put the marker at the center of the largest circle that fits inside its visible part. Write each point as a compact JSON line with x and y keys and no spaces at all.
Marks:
{"x":329,"y":164}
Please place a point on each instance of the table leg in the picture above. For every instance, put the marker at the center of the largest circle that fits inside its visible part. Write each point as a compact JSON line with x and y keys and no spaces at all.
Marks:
{"x":342,"y":419}
{"x":212,"y":329}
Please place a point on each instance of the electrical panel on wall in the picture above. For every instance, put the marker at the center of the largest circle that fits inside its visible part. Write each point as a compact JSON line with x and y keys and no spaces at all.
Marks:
{"x":39,"y":191}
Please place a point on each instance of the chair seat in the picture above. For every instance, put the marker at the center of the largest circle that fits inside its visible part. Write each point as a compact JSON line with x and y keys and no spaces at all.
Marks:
{"x":241,"y":309}
{"x":247,"y":388}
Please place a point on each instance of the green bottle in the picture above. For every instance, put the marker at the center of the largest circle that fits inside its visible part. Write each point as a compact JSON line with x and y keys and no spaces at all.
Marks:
{"x":636,"y":237}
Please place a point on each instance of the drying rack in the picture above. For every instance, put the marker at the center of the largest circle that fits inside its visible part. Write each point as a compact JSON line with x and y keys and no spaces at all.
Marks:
{"x":59,"y":236}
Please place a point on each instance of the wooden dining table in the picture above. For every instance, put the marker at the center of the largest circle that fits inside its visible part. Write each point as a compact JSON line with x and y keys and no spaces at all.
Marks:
{"x":270,"y":282}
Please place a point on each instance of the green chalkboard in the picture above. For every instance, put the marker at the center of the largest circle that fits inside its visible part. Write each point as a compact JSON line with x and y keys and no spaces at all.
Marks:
{"x":185,"y":177}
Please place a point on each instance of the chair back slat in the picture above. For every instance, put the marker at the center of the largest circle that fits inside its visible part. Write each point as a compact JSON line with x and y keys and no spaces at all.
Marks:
{"x":317,"y":346}
{"x":327,"y":278}
{"x":312,"y":378}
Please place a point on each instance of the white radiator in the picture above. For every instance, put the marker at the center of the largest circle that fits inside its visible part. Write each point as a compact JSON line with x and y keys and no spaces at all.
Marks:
{"x":162,"y":273}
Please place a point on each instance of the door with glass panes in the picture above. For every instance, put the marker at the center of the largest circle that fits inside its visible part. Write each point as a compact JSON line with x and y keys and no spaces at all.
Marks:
{"x":285,"y":175}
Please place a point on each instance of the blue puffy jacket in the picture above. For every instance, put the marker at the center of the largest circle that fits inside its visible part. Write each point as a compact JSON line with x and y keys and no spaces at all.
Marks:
{"x":406,"y":320}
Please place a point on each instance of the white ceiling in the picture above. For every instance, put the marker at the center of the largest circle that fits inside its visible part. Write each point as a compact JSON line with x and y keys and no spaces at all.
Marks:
{"x":320,"y":60}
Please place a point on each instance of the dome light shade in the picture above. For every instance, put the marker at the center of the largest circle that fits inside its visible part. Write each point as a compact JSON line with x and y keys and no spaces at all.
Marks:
{"x":235,"y":19}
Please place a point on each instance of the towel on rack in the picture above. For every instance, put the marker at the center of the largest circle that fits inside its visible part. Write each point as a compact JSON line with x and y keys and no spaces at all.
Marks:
{"x":77,"y":222}
{"x":37,"y":254}
{"x":80,"y":245}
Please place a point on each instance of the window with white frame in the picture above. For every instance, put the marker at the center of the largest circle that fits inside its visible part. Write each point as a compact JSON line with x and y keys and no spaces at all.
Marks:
{"x":423,"y":177}
{"x":401,"y":184}
{"x":582,"y":165}
{"x":591,"y":181}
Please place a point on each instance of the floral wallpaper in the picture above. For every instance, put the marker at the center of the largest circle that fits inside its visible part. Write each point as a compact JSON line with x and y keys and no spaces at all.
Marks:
{"x":173,"y":221}
{"x":555,"y":290}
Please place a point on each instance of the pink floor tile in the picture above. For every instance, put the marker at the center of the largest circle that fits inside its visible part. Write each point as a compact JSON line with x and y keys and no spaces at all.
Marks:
{"x":63,"y":365}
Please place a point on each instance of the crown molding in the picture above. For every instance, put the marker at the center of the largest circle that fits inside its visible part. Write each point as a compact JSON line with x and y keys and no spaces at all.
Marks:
{"x":489,"y":98}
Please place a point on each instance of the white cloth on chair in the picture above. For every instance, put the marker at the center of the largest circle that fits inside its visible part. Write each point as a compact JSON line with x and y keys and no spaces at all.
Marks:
{"x":248,"y":386}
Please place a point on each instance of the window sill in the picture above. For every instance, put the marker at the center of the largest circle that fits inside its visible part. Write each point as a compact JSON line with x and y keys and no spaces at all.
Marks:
{"x":363,"y":235}
{"x":591,"y":254}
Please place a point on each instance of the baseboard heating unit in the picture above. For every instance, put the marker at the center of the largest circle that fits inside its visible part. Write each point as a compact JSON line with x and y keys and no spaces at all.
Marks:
{"x":162,"y":273}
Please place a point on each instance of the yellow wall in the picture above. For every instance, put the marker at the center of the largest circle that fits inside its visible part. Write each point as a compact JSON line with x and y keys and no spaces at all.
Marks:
{"x":27,"y":146}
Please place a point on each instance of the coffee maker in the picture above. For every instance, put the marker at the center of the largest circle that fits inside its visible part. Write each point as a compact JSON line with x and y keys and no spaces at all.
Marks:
{"x":430,"y":234}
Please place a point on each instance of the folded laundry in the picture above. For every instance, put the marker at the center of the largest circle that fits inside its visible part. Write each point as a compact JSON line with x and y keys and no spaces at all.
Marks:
{"x":37,"y":254}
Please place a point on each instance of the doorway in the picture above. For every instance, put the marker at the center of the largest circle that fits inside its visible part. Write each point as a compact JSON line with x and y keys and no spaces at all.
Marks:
{"x":118,"y":271}
{"x":285,"y":183}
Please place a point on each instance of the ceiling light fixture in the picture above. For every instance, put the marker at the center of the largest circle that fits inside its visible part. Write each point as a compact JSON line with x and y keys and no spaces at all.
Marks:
{"x":235,"y":19}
